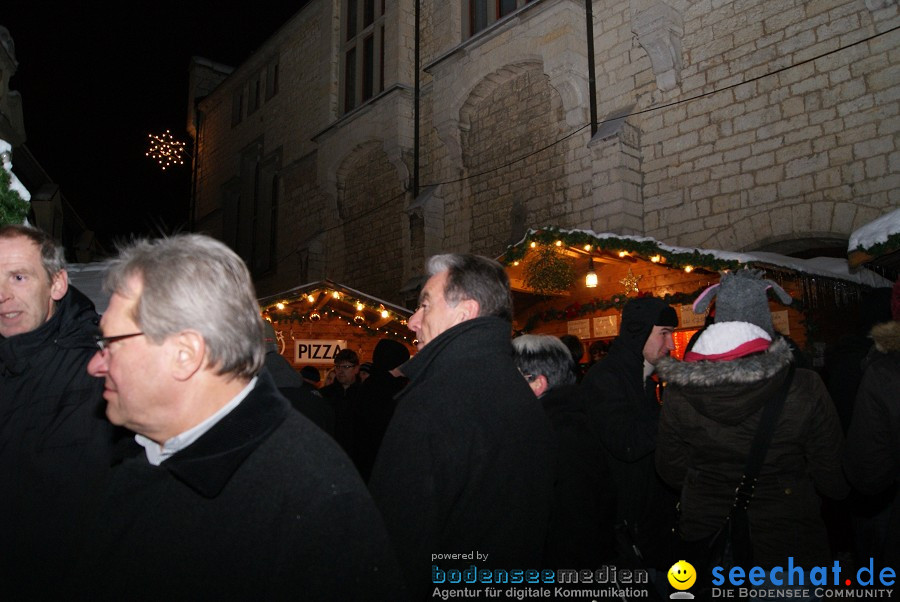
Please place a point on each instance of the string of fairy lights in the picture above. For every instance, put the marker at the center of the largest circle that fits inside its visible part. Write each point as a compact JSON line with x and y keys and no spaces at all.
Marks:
{"x":166,"y":150}
{"x":385,"y":321}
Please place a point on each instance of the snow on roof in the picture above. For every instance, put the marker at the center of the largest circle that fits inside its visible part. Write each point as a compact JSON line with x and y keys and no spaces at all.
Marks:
{"x":875,"y":232}
{"x":828,"y":267}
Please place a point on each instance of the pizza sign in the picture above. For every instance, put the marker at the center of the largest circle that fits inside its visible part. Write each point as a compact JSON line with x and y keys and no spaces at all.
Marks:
{"x":317,"y":351}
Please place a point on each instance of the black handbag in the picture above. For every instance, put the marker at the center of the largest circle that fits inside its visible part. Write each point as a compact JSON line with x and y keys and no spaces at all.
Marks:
{"x":732,"y":544}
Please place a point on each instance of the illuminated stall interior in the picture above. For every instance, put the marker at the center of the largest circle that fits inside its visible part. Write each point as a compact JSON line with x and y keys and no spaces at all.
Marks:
{"x":310,"y":321}
{"x":578,"y":281}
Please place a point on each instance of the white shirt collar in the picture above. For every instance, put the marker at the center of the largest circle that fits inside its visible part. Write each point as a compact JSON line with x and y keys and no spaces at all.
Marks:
{"x":157,"y":454}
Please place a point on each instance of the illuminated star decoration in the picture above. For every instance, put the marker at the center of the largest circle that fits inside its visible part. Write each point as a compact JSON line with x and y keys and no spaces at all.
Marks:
{"x":631,"y":282}
{"x":166,"y":150}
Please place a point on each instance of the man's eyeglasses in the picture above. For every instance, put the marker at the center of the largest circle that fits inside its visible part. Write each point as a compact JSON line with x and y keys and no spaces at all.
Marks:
{"x":345,"y":366}
{"x":104,"y":342}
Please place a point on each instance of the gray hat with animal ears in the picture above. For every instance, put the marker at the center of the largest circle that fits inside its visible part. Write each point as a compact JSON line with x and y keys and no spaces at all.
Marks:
{"x":742,"y":298}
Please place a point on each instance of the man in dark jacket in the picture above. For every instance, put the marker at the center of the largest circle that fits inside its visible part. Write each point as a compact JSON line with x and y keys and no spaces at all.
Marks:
{"x":466,"y":463}
{"x":376,"y":403}
{"x":55,"y":444}
{"x":872,"y":459}
{"x":343,"y":396}
{"x":581,"y":525}
{"x":623,"y":402}
{"x":226,"y":493}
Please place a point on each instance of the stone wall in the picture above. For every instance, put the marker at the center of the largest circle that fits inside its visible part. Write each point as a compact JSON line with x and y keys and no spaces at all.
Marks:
{"x":370,"y":204}
{"x":803,"y":148}
{"x":726,"y":124}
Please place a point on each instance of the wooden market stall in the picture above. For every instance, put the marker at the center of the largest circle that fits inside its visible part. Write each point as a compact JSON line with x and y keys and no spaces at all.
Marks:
{"x":551,"y":271}
{"x":876,"y":245}
{"x":314,"y":321}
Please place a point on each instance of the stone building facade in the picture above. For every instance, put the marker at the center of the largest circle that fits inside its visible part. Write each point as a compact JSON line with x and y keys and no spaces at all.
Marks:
{"x":723,"y":124}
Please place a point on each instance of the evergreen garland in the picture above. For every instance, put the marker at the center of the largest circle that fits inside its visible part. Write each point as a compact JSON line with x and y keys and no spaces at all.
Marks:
{"x":548,"y":271}
{"x":644,"y":248}
{"x":13,"y":209}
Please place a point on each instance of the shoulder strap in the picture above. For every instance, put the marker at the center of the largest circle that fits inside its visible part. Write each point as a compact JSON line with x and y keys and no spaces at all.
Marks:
{"x":761,"y":440}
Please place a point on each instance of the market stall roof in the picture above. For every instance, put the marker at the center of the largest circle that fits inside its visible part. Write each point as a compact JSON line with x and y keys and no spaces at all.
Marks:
{"x":689,"y":258}
{"x":877,"y":243}
{"x":353,"y":306}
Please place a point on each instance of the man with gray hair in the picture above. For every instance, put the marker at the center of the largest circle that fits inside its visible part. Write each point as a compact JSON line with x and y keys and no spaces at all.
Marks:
{"x":466,"y":464}
{"x":581,"y":527}
{"x":225,"y":492}
{"x":55,"y":444}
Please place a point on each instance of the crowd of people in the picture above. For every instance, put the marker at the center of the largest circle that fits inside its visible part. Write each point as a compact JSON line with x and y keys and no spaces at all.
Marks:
{"x":167,"y":450}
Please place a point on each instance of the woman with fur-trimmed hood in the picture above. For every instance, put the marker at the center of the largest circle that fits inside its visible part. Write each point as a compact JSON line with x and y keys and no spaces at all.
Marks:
{"x":872,"y":459}
{"x":711,"y":411}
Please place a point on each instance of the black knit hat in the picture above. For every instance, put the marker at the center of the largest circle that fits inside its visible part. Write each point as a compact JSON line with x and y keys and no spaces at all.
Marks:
{"x":642,"y":314}
{"x":389,"y":354}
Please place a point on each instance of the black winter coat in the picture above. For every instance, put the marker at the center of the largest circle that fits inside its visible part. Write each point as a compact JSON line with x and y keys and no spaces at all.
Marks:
{"x":624,"y":412}
{"x":305,"y":399}
{"x":343,"y":403}
{"x":374,"y":411}
{"x":466,"y":463}
{"x":263,"y":506}
{"x":710,"y":415}
{"x":872,"y":459}
{"x":581,"y":526}
{"x":55,"y":445}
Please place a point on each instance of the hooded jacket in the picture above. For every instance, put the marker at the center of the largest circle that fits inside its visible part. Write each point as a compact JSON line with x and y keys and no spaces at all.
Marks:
{"x":872,"y":459}
{"x":55,"y":442}
{"x":710,"y":415}
{"x":624,"y":412}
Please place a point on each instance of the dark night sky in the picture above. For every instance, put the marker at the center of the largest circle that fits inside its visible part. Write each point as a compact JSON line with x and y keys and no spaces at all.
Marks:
{"x":96,"y":78}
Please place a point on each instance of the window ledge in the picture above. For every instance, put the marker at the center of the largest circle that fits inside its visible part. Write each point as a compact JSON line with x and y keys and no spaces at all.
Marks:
{"x":361,"y":109}
{"x":513,"y":19}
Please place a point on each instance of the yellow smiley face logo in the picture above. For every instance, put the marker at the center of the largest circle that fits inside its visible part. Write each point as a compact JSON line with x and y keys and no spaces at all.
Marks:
{"x":682,"y":575}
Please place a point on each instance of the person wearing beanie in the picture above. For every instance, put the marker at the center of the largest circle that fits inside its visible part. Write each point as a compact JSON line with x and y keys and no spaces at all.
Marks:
{"x":622,"y":401}
{"x":376,"y":404}
{"x":711,"y":412}
{"x":311,"y":376}
{"x":872,"y":458}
